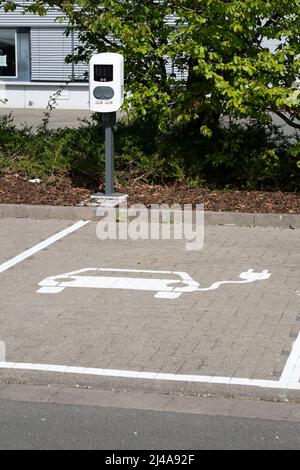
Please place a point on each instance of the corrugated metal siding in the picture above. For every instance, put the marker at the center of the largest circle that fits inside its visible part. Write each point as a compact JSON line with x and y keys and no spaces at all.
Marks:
{"x":16,"y":18}
{"x":172,"y":69}
{"x":49,"y":47}
{"x":81,"y":69}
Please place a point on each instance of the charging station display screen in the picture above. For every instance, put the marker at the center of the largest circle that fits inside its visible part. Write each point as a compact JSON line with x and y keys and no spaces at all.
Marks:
{"x":103,"y":73}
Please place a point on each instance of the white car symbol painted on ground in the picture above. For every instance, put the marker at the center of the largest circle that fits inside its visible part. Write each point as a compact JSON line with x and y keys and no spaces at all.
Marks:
{"x":165,"y":288}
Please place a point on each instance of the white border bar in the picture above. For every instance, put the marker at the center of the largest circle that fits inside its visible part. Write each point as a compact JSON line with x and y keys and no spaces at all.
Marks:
{"x":150,"y":375}
{"x":35,"y":249}
{"x":291,"y":373}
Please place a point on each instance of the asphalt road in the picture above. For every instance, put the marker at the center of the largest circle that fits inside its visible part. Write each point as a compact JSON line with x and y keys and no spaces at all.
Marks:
{"x":29,"y":425}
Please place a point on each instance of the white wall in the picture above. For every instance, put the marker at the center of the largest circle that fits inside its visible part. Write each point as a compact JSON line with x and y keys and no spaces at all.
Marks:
{"x":37,"y":95}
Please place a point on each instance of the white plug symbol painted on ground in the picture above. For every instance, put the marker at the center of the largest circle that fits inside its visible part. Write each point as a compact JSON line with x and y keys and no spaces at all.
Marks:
{"x":165,"y":288}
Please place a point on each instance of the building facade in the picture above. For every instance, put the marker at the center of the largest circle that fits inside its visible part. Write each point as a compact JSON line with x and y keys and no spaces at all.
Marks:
{"x":32,"y":63}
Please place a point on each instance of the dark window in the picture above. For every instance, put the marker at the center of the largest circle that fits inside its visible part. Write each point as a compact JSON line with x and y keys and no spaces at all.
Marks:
{"x":103,"y":73}
{"x":8,"y":53}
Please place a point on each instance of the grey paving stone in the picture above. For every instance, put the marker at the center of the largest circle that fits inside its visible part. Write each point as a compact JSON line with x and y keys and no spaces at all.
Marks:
{"x":236,"y":330}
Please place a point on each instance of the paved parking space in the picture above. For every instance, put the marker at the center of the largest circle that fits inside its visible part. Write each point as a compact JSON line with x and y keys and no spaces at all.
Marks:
{"x":242,"y":331}
{"x":18,"y":235}
{"x":59,"y":118}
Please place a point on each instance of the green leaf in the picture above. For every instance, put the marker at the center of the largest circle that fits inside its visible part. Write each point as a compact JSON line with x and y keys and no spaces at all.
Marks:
{"x":206,"y":131}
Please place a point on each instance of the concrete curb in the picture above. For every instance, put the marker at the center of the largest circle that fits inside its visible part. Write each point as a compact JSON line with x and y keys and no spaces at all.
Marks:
{"x":240,"y":219}
{"x":155,"y":401}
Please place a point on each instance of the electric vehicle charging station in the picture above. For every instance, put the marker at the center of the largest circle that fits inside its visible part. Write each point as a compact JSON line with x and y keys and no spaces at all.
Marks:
{"x":106,"y":82}
{"x":106,"y":92}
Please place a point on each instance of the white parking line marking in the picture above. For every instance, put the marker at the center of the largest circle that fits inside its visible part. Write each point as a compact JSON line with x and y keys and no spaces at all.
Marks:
{"x":291,"y":372}
{"x":35,"y":249}
{"x":287,"y":381}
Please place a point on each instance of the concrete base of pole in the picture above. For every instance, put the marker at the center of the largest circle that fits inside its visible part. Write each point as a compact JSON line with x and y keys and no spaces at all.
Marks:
{"x":113,"y":200}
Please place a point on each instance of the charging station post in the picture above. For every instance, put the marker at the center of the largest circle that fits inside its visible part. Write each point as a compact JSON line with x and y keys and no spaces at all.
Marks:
{"x":109,"y":120}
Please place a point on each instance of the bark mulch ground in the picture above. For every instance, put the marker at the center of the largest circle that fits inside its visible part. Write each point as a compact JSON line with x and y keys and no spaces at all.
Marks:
{"x":15,"y":189}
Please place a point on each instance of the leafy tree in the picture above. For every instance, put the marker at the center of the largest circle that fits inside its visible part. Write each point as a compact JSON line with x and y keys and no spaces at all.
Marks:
{"x":217,"y":47}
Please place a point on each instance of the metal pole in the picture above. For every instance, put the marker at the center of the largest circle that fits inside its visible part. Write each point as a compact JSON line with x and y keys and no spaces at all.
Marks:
{"x":109,"y":120}
{"x":109,"y":161}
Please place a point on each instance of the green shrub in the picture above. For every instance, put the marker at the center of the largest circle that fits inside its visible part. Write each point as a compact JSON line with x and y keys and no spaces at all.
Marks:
{"x":249,"y":155}
{"x":239,"y":155}
{"x":76,"y":152}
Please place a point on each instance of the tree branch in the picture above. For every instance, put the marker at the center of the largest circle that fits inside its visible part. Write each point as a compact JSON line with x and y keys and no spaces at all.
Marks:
{"x":287,"y":120}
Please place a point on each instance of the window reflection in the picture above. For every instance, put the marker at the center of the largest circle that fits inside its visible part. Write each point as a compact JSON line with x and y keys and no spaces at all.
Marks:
{"x":7,"y":53}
